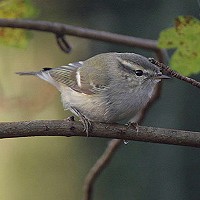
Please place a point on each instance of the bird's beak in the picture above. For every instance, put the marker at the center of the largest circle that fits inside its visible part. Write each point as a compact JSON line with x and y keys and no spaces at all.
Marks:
{"x":162,"y":76}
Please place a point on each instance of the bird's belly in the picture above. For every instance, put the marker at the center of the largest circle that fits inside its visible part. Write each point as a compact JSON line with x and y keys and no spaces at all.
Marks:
{"x":92,"y":107}
{"x":101,"y":109}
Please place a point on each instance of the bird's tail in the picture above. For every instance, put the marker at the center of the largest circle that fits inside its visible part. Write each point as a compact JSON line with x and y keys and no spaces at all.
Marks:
{"x":27,"y":73}
{"x":45,"y":69}
{"x":43,"y":74}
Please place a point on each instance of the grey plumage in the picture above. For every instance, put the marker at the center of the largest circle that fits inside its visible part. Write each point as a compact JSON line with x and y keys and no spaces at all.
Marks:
{"x":110,"y":87}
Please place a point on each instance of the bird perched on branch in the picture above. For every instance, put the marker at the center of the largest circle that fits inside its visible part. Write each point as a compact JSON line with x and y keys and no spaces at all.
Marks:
{"x":109,"y":87}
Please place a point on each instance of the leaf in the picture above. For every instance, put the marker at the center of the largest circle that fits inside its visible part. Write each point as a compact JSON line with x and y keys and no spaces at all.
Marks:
{"x":16,"y":9}
{"x":184,"y":36}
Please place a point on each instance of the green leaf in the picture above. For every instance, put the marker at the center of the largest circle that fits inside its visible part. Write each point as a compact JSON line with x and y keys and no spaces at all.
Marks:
{"x":16,"y":9}
{"x":184,"y":37}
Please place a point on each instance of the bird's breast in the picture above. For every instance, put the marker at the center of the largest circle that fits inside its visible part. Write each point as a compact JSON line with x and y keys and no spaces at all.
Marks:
{"x":112,"y":105}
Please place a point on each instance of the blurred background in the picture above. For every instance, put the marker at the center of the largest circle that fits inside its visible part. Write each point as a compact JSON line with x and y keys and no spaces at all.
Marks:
{"x":55,"y":167}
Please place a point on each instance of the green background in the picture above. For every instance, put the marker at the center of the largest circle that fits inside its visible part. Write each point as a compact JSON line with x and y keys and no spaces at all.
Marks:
{"x":50,"y":168}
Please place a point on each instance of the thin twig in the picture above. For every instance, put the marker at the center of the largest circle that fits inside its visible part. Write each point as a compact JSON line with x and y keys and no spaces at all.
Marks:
{"x":174,"y":73}
{"x":99,"y":166}
{"x":63,"y":44}
{"x":63,"y":29}
{"x":74,"y":128}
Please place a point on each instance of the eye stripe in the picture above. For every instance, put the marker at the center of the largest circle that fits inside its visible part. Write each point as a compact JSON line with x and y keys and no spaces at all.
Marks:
{"x":128,"y":66}
{"x":125,"y":65}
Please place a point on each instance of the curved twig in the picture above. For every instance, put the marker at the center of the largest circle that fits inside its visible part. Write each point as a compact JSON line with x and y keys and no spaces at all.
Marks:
{"x":99,"y":166}
{"x":63,"y":44}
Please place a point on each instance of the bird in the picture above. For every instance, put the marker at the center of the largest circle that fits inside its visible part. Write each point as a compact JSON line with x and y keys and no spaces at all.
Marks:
{"x":108,"y":87}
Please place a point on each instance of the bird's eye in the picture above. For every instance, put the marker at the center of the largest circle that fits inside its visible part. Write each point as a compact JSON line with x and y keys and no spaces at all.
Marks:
{"x":139,"y":72}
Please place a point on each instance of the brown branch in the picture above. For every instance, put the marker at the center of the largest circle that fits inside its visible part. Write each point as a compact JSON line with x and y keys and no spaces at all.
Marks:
{"x":99,"y":166}
{"x":74,"y":128}
{"x":71,"y":128}
{"x":63,"y":29}
{"x":174,"y":73}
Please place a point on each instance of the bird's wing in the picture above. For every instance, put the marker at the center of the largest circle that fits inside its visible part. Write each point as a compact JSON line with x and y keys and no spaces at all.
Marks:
{"x":74,"y":77}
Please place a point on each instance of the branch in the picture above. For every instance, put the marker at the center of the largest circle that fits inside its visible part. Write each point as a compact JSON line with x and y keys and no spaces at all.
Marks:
{"x":73,"y":128}
{"x":99,"y":166}
{"x":174,"y":73}
{"x":63,"y":29}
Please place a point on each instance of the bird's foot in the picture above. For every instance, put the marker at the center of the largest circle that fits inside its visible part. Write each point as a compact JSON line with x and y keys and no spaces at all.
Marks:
{"x":85,"y":121}
{"x":87,"y":124}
